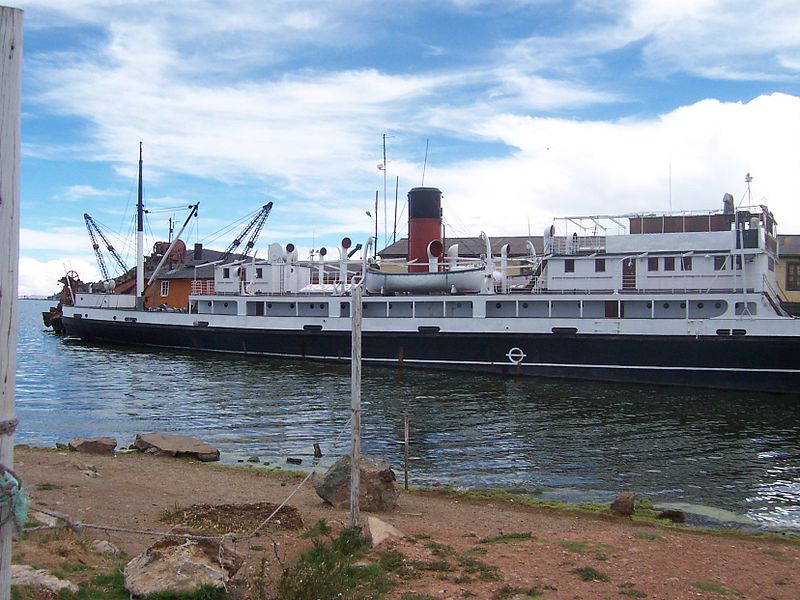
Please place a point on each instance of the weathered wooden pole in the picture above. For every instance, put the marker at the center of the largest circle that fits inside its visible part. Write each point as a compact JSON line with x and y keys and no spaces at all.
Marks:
{"x":405,"y":455}
{"x":10,"y":69}
{"x":355,"y":407}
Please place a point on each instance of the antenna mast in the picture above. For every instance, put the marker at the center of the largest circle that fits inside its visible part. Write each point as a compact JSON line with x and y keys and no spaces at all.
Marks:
{"x":425,"y":163}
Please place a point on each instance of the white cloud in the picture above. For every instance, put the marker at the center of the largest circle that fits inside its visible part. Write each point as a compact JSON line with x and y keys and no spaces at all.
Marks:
{"x":565,"y":167}
{"x":40,"y":278}
{"x":81,"y":192}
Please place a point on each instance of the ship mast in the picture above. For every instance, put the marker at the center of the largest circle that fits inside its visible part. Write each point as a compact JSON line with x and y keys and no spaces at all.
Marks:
{"x":140,"y":239}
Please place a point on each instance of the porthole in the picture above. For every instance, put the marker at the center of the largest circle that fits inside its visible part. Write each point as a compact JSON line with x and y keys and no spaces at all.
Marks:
{"x":683,"y":304}
{"x":497,"y":305}
{"x":114,"y":317}
{"x":269,"y":304}
{"x":291,"y":305}
{"x":699,"y":305}
{"x":718,"y":305}
{"x":225,"y":304}
{"x":649,"y":305}
{"x":524,"y":305}
{"x":209,"y":303}
{"x":666,"y":304}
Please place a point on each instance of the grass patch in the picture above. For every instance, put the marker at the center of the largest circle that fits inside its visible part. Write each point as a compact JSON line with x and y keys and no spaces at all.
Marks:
{"x":506,"y":592}
{"x":507,"y":538}
{"x":328,"y":568}
{"x":717,"y":588}
{"x":590,"y":574}
{"x":586,"y":547}
{"x":478,"y":568}
{"x":45,"y":485}
{"x":648,"y":536}
{"x":440,"y":550}
{"x":777,"y":555}
{"x":414,"y":596}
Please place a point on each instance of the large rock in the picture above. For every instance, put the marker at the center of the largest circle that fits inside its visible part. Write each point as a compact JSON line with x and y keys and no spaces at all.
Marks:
{"x":103,"y":445}
{"x":376,"y":491}
{"x":624,"y":504}
{"x":40,"y":578}
{"x":181,"y":566}
{"x":162,"y":444}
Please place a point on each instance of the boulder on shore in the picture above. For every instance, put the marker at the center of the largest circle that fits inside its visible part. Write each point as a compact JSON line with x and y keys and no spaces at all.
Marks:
{"x":376,"y":491}
{"x":624,"y":504}
{"x":40,"y":578}
{"x":180,"y":566}
{"x":163,"y":444}
{"x":103,"y":445}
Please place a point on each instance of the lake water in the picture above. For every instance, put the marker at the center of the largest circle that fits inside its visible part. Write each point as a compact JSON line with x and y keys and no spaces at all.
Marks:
{"x":736,"y":452}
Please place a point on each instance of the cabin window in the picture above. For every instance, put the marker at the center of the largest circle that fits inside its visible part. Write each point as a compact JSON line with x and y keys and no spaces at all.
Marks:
{"x":652,"y":263}
{"x":165,"y":289}
{"x":770,"y":263}
{"x":259,"y":273}
{"x":720,"y":263}
{"x":226,"y":273}
{"x":686,"y":263}
{"x":792,"y":276}
{"x":599,"y":265}
{"x":669,"y":263}
{"x":569,"y":265}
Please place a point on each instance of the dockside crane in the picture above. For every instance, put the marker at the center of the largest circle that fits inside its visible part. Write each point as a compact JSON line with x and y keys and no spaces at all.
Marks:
{"x":253,"y":226}
{"x":92,"y":227}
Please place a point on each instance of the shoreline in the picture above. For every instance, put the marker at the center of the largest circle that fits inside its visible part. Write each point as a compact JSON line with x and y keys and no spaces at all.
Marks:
{"x":534,"y":547}
{"x":698,"y":517}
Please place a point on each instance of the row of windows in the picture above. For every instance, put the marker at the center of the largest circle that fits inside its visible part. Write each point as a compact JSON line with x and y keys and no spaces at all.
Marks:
{"x":672,"y":263}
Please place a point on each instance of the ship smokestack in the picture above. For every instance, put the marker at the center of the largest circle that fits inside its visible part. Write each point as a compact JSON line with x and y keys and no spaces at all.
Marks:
{"x":424,"y":225}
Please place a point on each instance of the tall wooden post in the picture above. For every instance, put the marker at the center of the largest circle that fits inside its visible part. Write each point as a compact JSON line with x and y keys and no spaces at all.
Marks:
{"x":355,"y":408}
{"x":10,"y":67}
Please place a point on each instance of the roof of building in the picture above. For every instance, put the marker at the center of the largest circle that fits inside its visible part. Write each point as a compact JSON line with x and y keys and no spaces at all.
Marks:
{"x":789,"y":245}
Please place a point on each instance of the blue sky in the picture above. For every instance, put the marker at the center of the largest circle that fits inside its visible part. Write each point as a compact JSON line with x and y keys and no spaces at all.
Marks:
{"x":531,"y":109}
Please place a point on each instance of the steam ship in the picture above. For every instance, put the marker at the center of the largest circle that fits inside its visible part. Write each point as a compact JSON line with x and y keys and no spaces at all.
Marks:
{"x":680,"y":299}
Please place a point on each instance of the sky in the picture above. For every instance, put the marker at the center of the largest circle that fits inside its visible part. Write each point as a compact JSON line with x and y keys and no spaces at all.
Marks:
{"x":519,"y":111}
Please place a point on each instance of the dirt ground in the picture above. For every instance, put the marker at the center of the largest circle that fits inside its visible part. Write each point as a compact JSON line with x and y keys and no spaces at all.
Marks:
{"x":454,"y":547}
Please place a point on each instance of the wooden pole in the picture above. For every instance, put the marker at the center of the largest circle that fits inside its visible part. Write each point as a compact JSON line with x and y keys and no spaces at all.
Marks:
{"x":10,"y":69}
{"x":405,"y":454}
{"x":355,"y":408}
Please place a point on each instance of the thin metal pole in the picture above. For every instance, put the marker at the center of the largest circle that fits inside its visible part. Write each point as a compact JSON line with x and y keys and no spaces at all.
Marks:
{"x":10,"y":72}
{"x":355,"y":408}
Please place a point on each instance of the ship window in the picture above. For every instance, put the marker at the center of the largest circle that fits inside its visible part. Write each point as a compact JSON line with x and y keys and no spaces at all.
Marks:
{"x":720,"y":263}
{"x":226,"y":273}
{"x":164,"y":288}
{"x":669,"y":263}
{"x":683,"y":304}
{"x":718,"y":305}
{"x":742,"y":308}
{"x":569,"y":265}
{"x":770,"y":263}
{"x":699,"y":305}
{"x":259,"y":273}
{"x":652,"y":263}
{"x":793,"y":276}
{"x":599,"y":265}
{"x":666,"y":304}
{"x":686,"y":263}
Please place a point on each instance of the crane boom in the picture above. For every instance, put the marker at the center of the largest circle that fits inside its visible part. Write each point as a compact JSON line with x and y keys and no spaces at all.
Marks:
{"x":255,"y":226}
{"x":92,"y":227}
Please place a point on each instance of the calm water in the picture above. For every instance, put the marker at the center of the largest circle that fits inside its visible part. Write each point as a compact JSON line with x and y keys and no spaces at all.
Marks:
{"x":738,"y":452}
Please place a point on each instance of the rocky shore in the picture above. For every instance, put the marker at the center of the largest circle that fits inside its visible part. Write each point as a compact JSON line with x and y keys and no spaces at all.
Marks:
{"x":452,"y":546}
